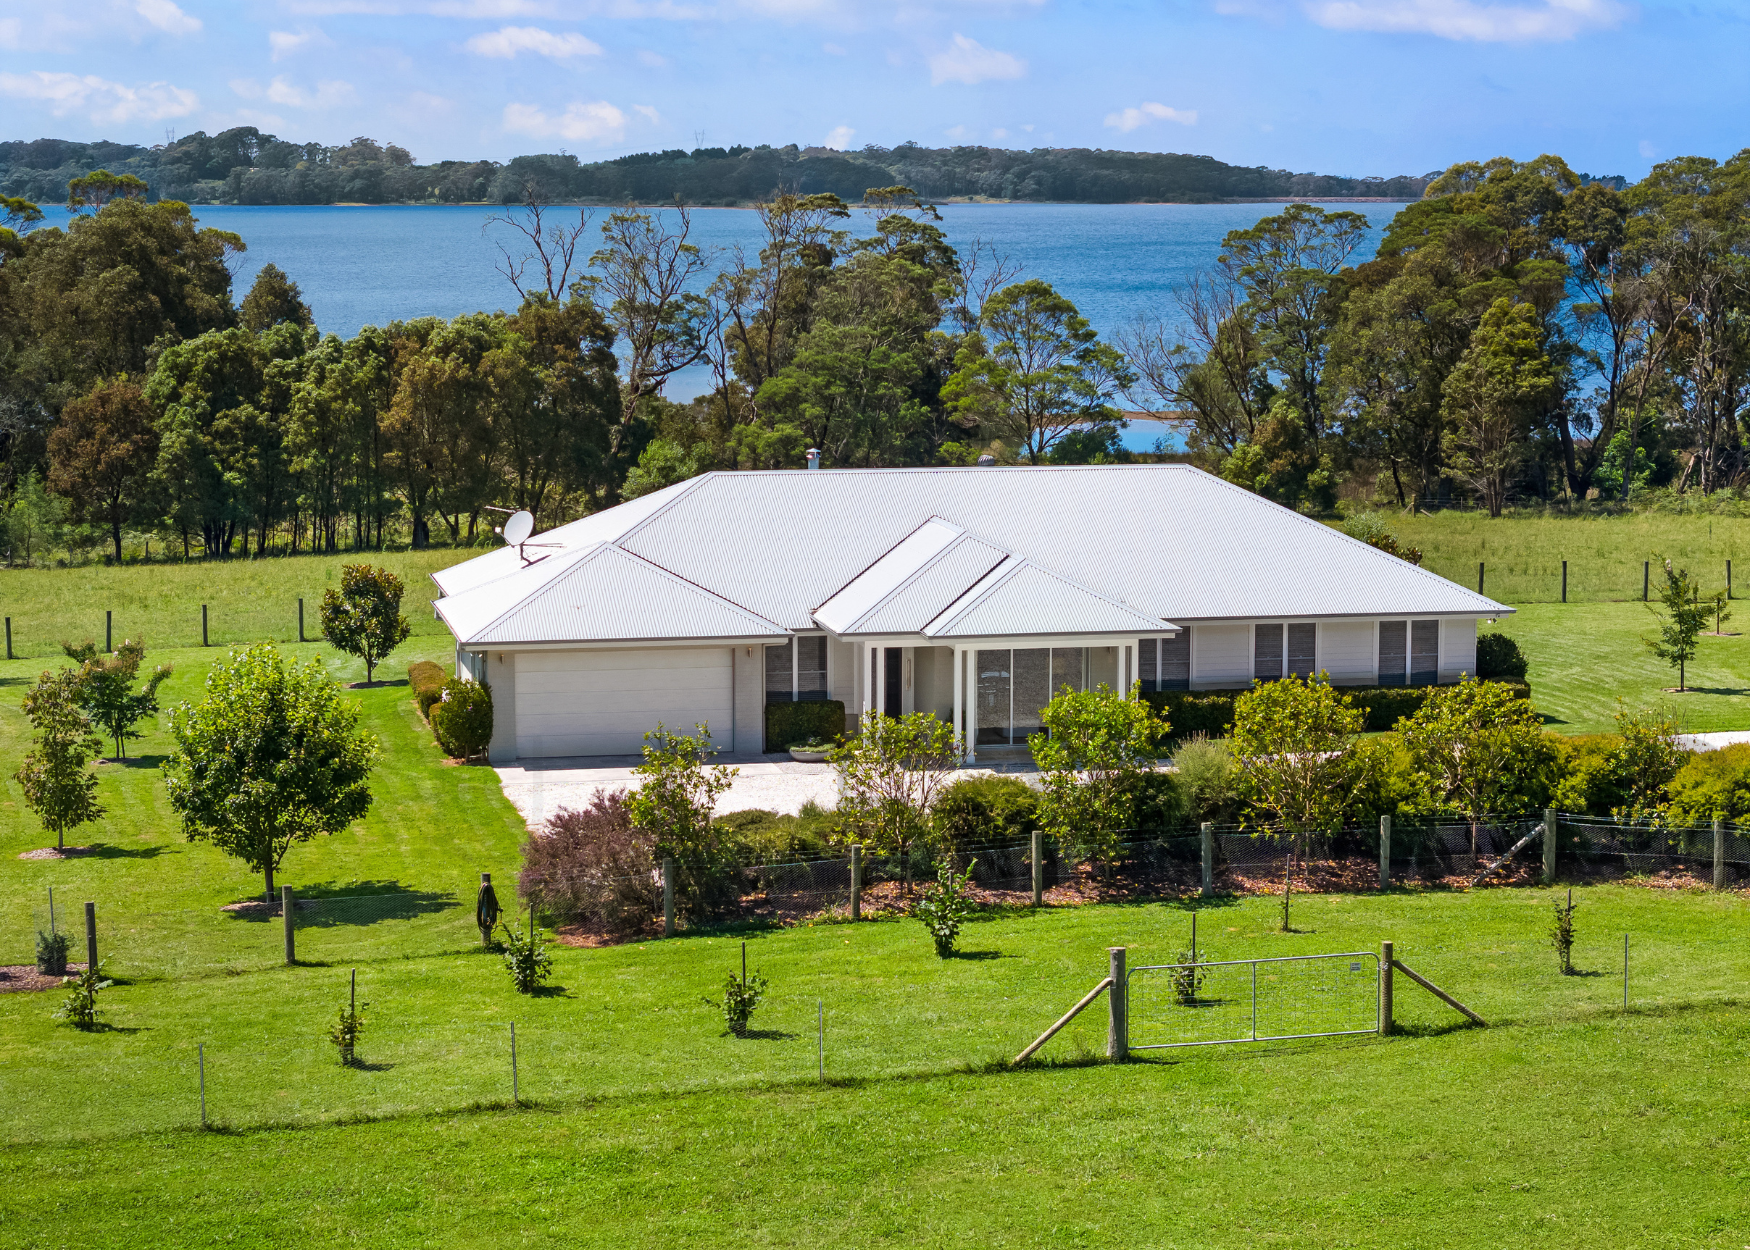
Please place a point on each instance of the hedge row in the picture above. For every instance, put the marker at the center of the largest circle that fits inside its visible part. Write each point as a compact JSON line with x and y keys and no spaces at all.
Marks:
{"x":787,"y":723}
{"x":1211,"y":712}
{"x":427,"y":680}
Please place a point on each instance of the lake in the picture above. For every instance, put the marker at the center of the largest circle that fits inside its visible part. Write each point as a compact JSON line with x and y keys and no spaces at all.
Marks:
{"x":371,"y":265}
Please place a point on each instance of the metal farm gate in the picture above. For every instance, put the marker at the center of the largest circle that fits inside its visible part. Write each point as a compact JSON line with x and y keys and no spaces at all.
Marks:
{"x":1253,"y":1000}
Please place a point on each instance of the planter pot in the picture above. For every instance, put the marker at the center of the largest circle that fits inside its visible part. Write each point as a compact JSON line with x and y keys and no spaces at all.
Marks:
{"x":804,"y":756}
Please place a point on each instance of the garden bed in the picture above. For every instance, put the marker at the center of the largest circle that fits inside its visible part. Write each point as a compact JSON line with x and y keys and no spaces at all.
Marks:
{"x":23,"y":978}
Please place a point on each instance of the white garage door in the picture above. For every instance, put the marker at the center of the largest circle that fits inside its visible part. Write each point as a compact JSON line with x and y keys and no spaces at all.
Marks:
{"x":604,"y":702}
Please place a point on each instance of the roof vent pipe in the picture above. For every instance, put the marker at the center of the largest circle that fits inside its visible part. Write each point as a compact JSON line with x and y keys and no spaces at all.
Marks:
{"x":986,"y":460}
{"x":814,"y":457}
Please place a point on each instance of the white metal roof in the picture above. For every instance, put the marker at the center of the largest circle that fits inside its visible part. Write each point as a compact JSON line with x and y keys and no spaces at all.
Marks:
{"x":863,"y":547}
{"x":1019,"y":598}
{"x":597,"y":593}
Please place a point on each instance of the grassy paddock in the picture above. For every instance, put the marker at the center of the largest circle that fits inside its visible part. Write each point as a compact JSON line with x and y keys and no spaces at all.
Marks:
{"x":1524,"y":554}
{"x":247,"y":600}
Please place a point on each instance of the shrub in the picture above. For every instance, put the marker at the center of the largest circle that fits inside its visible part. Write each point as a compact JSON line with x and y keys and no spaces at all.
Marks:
{"x":593,"y":864}
{"x":1158,"y":802}
{"x":974,"y":810}
{"x":1499,"y":656}
{"x":944,"y":907}
{"x":80,"y":1008}
{"x":1210,"y":712}
{"x":1588,"y":779}
{"x":1206,"y":778}
{"x":1713,"y":783}
{"x":758,"y":836}
{"x":816,"y":721}
{"x":462,"y":718}
{"x":1371,"y":528}
{"x":526,"y":959}
{"x":427,"y":682}
{"x":345,"y":1034}
{"x":51,"y":953}
{"x":674,"y":804}
{"x":741,"y":995}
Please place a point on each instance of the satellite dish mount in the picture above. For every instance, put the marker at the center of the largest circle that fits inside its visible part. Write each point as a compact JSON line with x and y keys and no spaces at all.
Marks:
{"x":517,"y":529}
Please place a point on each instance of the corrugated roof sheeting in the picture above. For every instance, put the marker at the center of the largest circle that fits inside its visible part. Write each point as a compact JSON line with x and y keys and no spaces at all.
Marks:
{"x":1021,"y":598}
{"x":1168,"y":540}
{"x":947,"y":577}
{"x":850,"y":604}
{"x":598,"y":594}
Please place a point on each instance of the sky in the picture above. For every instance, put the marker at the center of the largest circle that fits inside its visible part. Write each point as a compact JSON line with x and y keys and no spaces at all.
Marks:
{"x":1353,"y":87}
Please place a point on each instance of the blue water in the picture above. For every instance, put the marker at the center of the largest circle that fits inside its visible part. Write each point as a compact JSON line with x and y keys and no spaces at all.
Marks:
{"x":365,"y":266}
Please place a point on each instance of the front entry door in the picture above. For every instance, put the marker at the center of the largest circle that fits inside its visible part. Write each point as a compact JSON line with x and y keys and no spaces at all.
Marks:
{"x":893,"y":687}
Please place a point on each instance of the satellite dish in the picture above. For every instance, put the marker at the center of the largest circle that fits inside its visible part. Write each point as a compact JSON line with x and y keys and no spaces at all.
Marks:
{"x":519,"y":527}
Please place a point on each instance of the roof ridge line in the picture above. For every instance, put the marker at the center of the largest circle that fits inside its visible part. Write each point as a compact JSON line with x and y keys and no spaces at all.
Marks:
{"x":895,"y":547}
{"x":918,"y":572}
{"x":691,"y":485}
{"x":584,"y":554}
{"x":704,"y":590}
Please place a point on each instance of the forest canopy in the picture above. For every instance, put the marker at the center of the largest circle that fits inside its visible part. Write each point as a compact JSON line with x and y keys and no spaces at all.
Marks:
{"x":245,"y":166}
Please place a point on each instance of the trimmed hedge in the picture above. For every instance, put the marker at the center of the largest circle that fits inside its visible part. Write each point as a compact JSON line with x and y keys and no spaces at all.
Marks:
{"x":427,"y":680}
{"x":1211,"y":712}
{"x":461,"y":719}
{"x":804,"y":722}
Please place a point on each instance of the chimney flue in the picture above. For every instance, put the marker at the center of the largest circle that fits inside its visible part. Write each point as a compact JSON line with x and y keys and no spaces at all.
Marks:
{"x":986,"y":460}
{"x":813,"y":457}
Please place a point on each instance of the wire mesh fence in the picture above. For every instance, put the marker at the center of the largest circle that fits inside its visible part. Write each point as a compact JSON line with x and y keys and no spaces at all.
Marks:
{"x":1253,"y":1000}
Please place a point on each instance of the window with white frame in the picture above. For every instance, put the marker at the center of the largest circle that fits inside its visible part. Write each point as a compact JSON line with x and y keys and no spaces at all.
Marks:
{"x":796,"y":670}
{"x":1164,"y":663}
{"x":1288,"y":648}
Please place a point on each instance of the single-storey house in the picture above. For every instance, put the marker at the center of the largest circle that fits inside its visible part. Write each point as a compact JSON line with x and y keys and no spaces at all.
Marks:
{"x":974,"y":593}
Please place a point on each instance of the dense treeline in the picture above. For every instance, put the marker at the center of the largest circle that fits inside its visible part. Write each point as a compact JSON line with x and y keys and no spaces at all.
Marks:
{"x":245,"y":166}
{"x":1522,"y":333}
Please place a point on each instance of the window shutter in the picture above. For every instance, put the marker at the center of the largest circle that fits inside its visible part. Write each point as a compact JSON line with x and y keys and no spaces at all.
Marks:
{"x":1267,"y":652}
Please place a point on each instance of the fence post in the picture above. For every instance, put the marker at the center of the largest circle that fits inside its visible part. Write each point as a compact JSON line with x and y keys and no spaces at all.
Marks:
{"x":1719,"y":853}
{"x":200,"y":1052}
{"x":1728,"y":579}
{"x":108,"y":631}
{"x":90,"y":936}
{"x":300,"y":620}
{"x":856,"y":881}
{"x":1385,"y":852}
{"x":1564,"y":581}
{"x":288,"y":905}
{"x":203,"y":624}
{"x":1037,"y":853}
{"x":1549,"y":845}
{"x":1479,"y":577}
{"x":1206,"y":835}
{"x":1385,"y":958}
{"x":516,"y":1091}
{"x":667,"y":897}
{"x":9,"y":637}
{"x":1646,"y":569}
{"x":1118,"y":1033}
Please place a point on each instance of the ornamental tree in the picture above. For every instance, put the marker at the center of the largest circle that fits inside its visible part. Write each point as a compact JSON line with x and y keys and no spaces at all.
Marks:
{"x":56,"y":777}
{"x":675,"y":805}
{"x":889,"y":777}
{"x":271,"y":757}
{"x":1477,"y":748}
{"x":1685,"y":619}
{"x":363,"y":617}
{"x":1294,"y":744}
{"x":1096,"y":746}
{"x":106,"y":691}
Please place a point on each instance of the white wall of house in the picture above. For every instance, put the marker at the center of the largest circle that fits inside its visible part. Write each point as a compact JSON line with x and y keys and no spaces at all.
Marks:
{"x":1346,"y":652}
{"x":499,"y":674}
{"x":1458,"y":648}
{"x":749,"y":730}
{"x":1221,"y":655}
{"x":933,"y":681}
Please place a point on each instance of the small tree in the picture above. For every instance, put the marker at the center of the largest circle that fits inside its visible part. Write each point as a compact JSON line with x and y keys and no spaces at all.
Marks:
{"x":1096,"y":746}
{"x":363,"y":617}
{"x":1647,"y":760}
{"x":56,"y":777}
{"x":945,"y":907}
{"x":674,"y":805}
{"x":1477,"y":748}
{"x":1686,"y":618}
{"x":106,"y":689}
{"x":1294,"y":744}
{"x":889,"y":777}
{"x":270,"y":758}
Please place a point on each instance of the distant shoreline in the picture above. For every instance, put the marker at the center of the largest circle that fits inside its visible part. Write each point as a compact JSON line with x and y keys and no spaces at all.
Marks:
{"x":951,"y":202}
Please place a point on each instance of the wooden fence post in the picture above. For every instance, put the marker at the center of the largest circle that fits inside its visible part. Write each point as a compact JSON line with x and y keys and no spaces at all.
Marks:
{"x":1564,"y":581}
{"x":90,"y":936}
{"x":1385,"y":965}
{"x":300,"y":620}
{"x":1550,"y":829}
{"x":1719,"y":853}
{"x":668,"y":897}
{"x":1037,"y":853}
{"x":288,"y":906}
{"x":1728,"y":579}
{"x":1385,"y":852}
{"x":1646,"y":572}
{"x":1479,"y":577}
{"x":1118,"y":1032}
{"x":108,"y":632}
{"x":203,"y":624}
{"x":1207,"y":837}
{"x":856,"y":881}
{"x":9,"y":637}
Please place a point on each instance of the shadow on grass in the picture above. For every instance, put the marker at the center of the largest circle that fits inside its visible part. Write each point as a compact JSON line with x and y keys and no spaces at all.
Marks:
{"x":360,"y":1065}
{"x":761,"y":1035}
{"x":103,"y":850}
{"x":142,"y":761}
{"x":354,"y":904}
{"x":1433,"y":1030}
{"x":978,"y":956}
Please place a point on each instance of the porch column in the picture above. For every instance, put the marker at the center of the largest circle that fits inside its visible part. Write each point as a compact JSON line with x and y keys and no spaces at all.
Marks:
{"x":971,"y":654}
{"x":881,"y":679}
{"x":959,"y":708}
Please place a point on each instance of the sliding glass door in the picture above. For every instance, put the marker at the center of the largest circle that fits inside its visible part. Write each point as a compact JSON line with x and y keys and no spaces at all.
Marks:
{"x":1014,"y":685}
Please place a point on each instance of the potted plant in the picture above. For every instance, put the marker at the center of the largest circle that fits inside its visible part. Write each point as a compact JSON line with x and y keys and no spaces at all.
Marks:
{"x":814,"y":751}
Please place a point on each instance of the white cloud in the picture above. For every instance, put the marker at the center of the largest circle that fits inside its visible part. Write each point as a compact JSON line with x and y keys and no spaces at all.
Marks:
{"x":1129,"y":119}
{"x":652,"y":60}
{"x":839,"y":138}
{"x":648,"y":113}
{"x":282,"y":90}
{"x":167,"y":17}
{"x":957,"y":133}
{"x":98,"y":98}
{"x":583,"y":122}
{"x":970,"y":62}
{"x":1468,"y":20}
{"x":999,"y":133}
{"x":284,"y":43}
{"x":507,"y":41}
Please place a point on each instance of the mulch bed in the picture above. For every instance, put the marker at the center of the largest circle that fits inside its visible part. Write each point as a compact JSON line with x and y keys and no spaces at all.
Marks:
{"x":50,"y":852}
{"x":20,"y":978}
